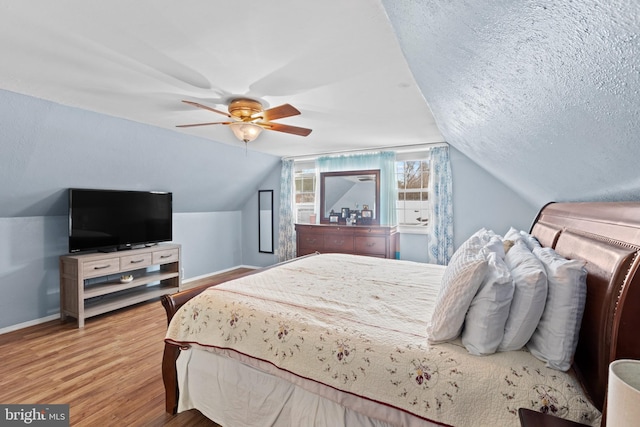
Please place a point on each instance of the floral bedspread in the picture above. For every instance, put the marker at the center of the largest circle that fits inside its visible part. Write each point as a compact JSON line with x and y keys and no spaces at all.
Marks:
{"x":358,"y":324}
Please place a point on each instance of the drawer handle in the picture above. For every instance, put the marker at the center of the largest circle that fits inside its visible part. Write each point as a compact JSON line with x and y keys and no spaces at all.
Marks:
{"x":165,"y":256}
{"x":339,"y":242}
{"x":371,"y":245}
{"x":136,"y":261}
{"x":101,"y":267}
{"x":311,"y":240}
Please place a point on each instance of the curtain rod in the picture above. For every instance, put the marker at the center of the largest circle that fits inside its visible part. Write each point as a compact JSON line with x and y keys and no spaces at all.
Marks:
{"x":396,"y":148}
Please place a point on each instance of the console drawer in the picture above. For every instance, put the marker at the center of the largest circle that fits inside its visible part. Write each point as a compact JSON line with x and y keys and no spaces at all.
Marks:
{"x":163,"y":257}
{"x":101,"y":267}
{"x":131,"y":262}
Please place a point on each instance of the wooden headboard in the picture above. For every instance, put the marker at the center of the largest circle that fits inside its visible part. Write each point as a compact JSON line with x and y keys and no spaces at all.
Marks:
{"x":607,"y":236}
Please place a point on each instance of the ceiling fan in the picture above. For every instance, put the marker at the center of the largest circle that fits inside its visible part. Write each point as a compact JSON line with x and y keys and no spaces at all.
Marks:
{"x":249,"y":118}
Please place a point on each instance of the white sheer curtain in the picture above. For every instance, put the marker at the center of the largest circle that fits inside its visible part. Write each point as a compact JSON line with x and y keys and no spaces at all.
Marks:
{"x":440,"y":246}
{"x":384,"y":161}
{"x":286,"y":227}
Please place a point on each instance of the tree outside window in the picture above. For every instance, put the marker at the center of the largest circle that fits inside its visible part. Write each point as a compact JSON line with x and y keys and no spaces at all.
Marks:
{"x":305,"y":191}
{"x":413,"y":192}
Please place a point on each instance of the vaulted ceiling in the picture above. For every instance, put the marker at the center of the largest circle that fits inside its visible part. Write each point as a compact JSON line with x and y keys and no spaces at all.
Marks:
{"x":338,"y":62}
{"x":543,"y":95}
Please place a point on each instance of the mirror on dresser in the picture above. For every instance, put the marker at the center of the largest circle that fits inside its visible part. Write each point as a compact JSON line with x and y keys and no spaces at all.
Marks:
{"x":350,"y":194}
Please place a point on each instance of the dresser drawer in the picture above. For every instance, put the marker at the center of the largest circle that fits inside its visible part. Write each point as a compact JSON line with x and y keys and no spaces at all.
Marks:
{"x":370,"y":231}
{"x":376,"y":241}
{"x":163,"y":257}
{"x":101,"y":267}
{"x":131,"y":262}
{"x":338,"y":243}
{"x":371,"y":245}
{"x":311,"y":242}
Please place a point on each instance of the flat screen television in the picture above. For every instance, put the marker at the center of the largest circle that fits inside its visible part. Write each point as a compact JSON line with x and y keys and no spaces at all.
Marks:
{"x":109,"y":220}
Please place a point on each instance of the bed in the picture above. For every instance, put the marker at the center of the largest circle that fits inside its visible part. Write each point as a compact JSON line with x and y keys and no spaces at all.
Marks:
{"x":351,"y":346}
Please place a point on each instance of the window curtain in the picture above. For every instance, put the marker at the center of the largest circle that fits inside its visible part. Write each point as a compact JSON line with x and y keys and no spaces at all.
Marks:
{"x":440,"y":246}
{"x":384,"y":161}
{"x":286,"y":228}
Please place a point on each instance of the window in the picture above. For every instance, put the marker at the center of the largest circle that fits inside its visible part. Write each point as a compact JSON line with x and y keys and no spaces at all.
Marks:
{"x":412,"y":175}
{"x":305,"y":191}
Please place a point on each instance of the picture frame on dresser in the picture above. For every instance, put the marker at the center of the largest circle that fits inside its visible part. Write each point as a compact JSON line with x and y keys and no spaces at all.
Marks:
{"x":366,"y":215}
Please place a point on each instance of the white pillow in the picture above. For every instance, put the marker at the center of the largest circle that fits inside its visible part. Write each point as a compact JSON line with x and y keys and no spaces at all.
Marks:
{"x":489,"y":309}
{"x":513,"y":234}
{"x":529,"y":297}
{"x":531,"y":241}
{"x":495,"y":244}
{"x":472,"y":245}
{"x":556,"y":337}
{"x":460,"y":282}
{"x":488,"y":239}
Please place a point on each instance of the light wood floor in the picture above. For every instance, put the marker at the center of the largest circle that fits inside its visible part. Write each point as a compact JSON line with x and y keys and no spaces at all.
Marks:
{"x":109,"y":372}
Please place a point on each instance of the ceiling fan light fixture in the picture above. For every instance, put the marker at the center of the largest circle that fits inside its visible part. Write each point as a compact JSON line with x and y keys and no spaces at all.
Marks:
{"x":245,"y":132}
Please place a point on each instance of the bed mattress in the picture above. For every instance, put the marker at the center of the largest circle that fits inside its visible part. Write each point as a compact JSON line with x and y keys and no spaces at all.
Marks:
{"x":358,"y":325}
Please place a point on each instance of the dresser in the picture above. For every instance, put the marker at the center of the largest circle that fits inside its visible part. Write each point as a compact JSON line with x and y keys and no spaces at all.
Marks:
{"x":370,"y":240}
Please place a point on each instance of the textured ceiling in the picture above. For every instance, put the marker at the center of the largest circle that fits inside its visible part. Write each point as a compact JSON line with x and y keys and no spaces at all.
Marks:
{"x":338,"y":62}
{"x":543,"y":95}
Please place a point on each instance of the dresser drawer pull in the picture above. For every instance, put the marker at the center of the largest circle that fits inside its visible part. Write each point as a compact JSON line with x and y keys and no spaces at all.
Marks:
{"x":136,"y":261}
{"x":101,"y":267}
{"x":166,"y":256}
{"x":311,"y":240}
{"x":371,"y":245}
{"x":339,"y":242}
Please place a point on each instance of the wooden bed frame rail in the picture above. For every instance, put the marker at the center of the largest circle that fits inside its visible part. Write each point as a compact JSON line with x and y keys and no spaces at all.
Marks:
{"x":171,"y":304}
{"x":606,"y":235}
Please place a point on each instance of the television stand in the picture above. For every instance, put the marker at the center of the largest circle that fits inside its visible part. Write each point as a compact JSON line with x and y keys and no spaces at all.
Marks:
{"x":94,"y":283}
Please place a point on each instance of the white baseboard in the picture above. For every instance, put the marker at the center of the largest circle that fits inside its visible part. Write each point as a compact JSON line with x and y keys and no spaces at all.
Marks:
{"x":57,"y":316}
{"x":29,"y":323}
{"x":204,"y":276}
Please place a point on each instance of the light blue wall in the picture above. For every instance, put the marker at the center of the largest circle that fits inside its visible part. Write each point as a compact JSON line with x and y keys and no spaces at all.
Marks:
{"x":31,"y":246}
{"x":211,"y":241}
{"x":47,"y":148}
{"x":250,"y":255}
{"x":29,"y":277}
{"x":479,"y":200}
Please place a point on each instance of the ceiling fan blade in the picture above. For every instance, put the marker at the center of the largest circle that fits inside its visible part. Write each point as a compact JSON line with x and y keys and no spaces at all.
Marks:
{"x":284,"y":110}
{"x":195,"y":104}
{"x":203,"y":124}
{"x":285,"y":128}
